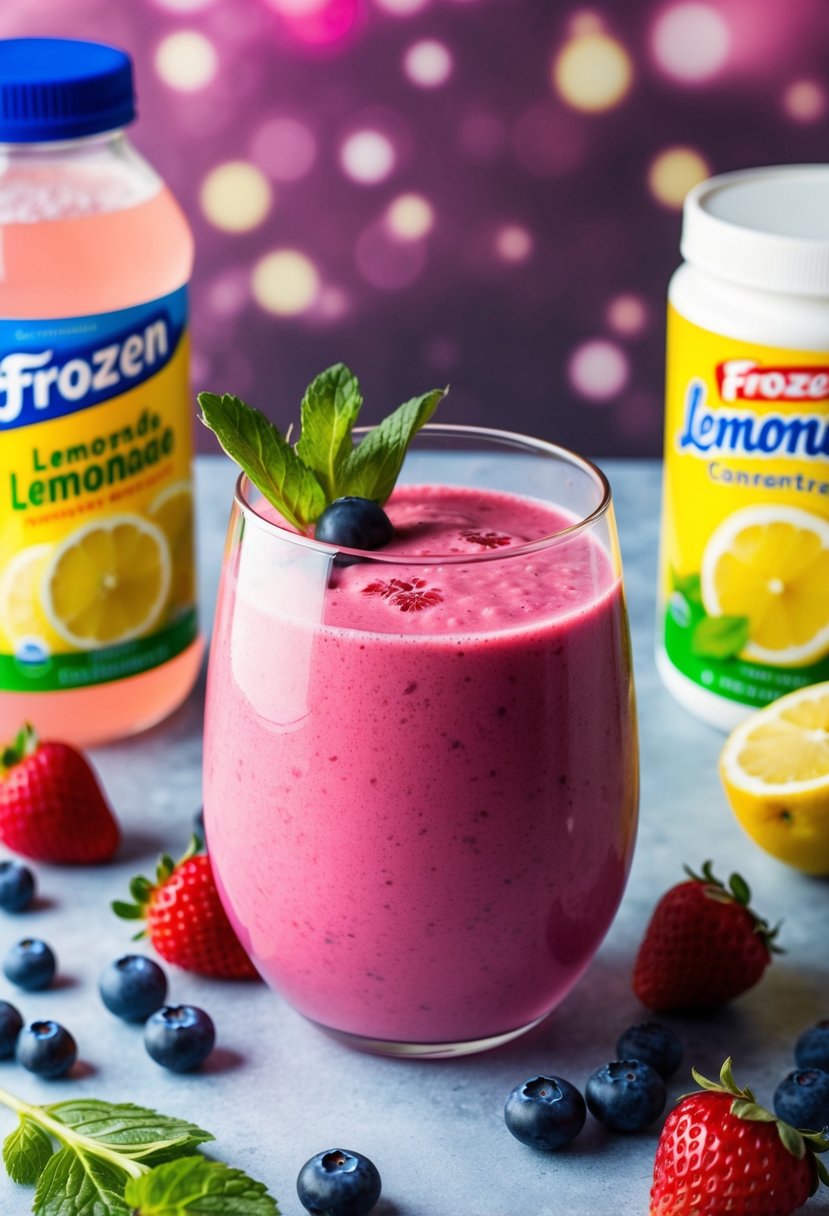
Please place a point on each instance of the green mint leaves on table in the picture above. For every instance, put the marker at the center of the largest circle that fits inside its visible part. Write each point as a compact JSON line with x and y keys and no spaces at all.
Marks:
{"x":91,"y":1158}
{"x":301,"y":479}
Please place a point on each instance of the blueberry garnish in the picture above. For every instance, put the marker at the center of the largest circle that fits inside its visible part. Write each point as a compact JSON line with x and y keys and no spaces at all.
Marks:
{"x":30,"y":964}
{"x":812,"y":1048}
{"x":11,"y":1023}
{"x":654,"y":1043}
{"x":179,"y":1037}
{"x":338,"y":1183}
{"x":545,"y":1112}
{"x":802,"y":1099}
{"x":46,"y":1049}
{"x":626,"y":1095}
{"x":354,"y":523}
{"x":17,"y":886}
{"x":133,"y":987}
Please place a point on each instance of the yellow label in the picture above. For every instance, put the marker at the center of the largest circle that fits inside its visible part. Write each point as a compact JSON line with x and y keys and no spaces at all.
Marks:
{"x":744,"y":577}
{"x":96,"y":522}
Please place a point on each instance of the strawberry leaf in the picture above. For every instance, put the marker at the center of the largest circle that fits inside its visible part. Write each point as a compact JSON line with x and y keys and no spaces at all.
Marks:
{"x":791,"y":1139}
{"x":752,"y":1111}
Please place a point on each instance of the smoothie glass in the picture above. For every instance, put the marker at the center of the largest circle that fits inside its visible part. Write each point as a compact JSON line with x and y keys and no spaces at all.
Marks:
{"x":421,"y":772}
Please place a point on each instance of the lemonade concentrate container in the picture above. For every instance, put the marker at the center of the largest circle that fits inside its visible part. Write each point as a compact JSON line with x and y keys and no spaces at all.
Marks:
{"x":98,"y":627}
{"x":744,"y":567}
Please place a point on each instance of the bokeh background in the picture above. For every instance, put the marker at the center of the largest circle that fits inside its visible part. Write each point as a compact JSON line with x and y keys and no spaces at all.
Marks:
{"x":481,"y":192}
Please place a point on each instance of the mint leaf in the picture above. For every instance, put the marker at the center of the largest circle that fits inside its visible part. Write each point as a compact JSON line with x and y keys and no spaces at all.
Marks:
{"x":270,"y":462}
{"x":135,"y":1131}
{"x":329,"y":410}
{"x":75,"y":1183}
{"x":373,"y":466}
{"x":196,"y":1187}
{"x":26,"y":1151}
{"x":719,"y":637}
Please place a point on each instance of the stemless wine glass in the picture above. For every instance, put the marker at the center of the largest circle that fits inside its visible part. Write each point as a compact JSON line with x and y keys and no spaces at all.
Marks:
{"x":421,"y":776}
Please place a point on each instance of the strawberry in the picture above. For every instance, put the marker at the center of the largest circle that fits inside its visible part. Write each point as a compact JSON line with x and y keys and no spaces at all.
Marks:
{"x":185,"y":920}
{"x":720,"y":1151}
{"x":51,"y":805}
{"x":704,"y":945}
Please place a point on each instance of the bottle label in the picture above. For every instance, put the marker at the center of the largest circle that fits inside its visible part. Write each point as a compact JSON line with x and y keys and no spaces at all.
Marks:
{"x":96,"y":506}
{"x":744,"y":581}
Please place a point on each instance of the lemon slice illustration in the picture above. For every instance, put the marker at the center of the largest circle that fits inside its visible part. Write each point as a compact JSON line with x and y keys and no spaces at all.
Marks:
{"x":771,"y":565}
{"x":21,"y":608}
{"x":775,"y":770}
{"x":172,"y":511}
{"x":107,"y":582}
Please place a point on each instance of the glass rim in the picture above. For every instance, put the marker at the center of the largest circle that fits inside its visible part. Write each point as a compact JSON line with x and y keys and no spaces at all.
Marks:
{"x":446,"y":430}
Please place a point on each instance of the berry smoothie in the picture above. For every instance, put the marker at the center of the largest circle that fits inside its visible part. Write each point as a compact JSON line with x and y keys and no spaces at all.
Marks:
{"x":421,"y":779}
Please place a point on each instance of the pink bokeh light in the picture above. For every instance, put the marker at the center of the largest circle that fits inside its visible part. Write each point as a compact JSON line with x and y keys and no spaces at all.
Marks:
{"x":319,"y":23}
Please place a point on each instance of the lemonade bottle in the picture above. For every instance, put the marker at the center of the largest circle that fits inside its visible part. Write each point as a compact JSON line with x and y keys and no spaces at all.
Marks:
{"x":98,"y":630}
{"x":744,"y":579}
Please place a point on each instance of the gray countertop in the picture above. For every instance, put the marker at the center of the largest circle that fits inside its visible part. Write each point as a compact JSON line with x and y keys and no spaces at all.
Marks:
{"x":276,"y":1090}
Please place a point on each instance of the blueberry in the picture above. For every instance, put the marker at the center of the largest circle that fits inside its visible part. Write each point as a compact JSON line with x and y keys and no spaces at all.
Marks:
{"x":802,"y":1099}
{"x":338,"y":1183}
{"x":17,"y":886}
{"x":812,"y":1048}
{"x":133,"y":987}
{"x":626,"y":1095}
{"x":354,"y":523}
{"x":179,"y":1037}
{"x":46,"y":1049}
{"x":653,"y":1043}
{"x":545,"y":1112}
{"x":30,"y":964}
{"x":11,"y":1023}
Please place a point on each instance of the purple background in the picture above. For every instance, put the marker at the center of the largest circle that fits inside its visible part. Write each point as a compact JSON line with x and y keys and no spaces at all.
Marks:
{"x":540,"y":150}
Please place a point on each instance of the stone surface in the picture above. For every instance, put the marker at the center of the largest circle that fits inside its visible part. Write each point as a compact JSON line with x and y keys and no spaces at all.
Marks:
{"x":276,"y":1090}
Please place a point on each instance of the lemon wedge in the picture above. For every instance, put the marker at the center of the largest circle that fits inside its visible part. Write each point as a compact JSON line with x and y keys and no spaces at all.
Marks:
{"x":771,"y":565}
{"x":172,"y":511}
{"x":107,"y":582}
{"x":775,"y":770}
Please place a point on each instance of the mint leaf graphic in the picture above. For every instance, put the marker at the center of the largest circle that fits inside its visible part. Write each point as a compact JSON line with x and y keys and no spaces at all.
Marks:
{"x":270,"y":462}
{"x":719,"y":637}
{"x":687,"y":585}
{"x":374,"y":465}
{"x":195,"y":1187}
{"x":329,"y":411}
{"x":135,"y":1131}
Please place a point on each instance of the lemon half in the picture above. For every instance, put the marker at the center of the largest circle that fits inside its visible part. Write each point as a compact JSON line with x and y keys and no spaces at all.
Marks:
{"x":21,"y":609}
{"x":775,"y":770}
{"x":107,"y":582}
{"x":771,"y":565}
{"x":172,"y":510}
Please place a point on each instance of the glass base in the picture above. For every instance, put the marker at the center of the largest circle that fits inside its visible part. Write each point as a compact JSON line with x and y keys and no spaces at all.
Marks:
{"x":424,"y":1051}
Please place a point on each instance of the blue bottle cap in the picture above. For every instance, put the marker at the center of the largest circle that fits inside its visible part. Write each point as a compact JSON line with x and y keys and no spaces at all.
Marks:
{"x":60,"y":88}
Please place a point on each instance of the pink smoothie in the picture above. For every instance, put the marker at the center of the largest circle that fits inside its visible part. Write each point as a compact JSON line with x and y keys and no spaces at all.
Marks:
{"x":421,"y":780}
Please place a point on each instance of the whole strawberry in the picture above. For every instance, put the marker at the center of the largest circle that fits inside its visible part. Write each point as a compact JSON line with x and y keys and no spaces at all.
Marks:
{"x":51,"y":805}
{"x":703,"y":946}
{"x":720,"y":1151}
{"x":185,"y":920}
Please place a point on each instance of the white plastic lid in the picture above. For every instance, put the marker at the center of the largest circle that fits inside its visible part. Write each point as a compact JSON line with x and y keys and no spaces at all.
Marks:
{"x":763,"y":228}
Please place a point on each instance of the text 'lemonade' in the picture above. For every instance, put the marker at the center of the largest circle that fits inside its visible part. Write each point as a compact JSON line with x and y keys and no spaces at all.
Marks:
{"x":420,"y":768}
{"x":98,"y":631}
{"x":744,"y":588}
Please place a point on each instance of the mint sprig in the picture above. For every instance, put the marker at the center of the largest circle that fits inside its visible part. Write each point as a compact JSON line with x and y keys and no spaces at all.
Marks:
{"x":302,"y":479}
{"x":92,"y":1158}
